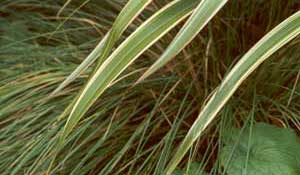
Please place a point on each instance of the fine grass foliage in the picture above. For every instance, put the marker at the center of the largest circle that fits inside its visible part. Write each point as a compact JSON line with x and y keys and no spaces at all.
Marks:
{"x":148,"y":87}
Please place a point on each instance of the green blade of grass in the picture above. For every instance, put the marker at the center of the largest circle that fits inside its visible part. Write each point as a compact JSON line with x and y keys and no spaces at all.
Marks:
{"x":270,"y":43}
{"x":127,"y":15}
{"x":83,"y":66}
{"x":146,"y":35}
{"x":103,"y":49}
{"x":200,"y":17}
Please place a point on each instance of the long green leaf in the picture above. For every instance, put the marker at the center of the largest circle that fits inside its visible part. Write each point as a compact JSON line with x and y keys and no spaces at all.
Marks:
{"x":83,"y":66}
{"x":269,"y":44}
{"x":127,"y":15}
{"x":103,"y":49}
{"x":200,"y":17}
{"x":146,"y":35}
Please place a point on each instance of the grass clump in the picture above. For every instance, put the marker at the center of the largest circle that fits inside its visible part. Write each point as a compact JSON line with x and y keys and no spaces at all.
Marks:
{"x":136,"y":128}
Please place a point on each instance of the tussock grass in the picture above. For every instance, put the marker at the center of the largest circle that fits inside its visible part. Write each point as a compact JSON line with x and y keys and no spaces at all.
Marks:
{"x":133,"y":128}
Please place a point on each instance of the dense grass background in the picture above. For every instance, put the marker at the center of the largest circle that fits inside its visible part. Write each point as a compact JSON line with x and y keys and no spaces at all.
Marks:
{"x":133,"y":129}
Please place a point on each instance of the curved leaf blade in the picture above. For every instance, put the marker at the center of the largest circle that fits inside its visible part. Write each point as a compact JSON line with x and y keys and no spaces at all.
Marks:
{"x":205,"y":11}
{"x":146,"y":35}
{"x":270,"y":43}
{"x":83,"y":66}
{"x":131,"y":10}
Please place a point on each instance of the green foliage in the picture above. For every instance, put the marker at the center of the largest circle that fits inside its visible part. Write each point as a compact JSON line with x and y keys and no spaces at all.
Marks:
{"x":193,"y":169}
{"x":51,"y":52}
{"x":148,"y":33}
{"x":263,"y":149}
{"x":204,"y":12}
{"x":262,"y":50}
{"x":103,"y":49}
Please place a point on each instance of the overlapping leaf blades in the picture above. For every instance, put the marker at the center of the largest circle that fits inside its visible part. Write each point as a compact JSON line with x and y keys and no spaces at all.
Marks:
{"x":146,"y":35}
{"x":103,"y":49}
{"x":270,"y":43}
{"x":202,"y":15}
{"x":152,"y":30}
